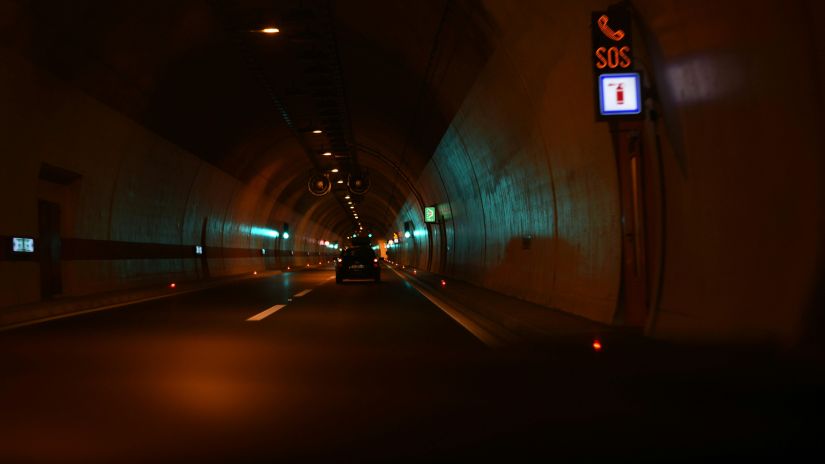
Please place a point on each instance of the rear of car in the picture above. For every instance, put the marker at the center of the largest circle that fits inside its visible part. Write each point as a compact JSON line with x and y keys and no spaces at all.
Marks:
{"x":357,"y":263}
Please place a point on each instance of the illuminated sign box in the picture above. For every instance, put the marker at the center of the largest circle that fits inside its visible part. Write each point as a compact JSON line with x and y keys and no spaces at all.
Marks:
{"x":612,"y":39}
{"x":198,"y":250}
{"x":429,"y":214}
{"x":620,"y":94}
{"x":22,"y":245}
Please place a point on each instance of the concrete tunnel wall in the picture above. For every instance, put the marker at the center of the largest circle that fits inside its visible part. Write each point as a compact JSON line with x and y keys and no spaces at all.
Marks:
{"x":734,"y":221}
{"x":135,"y":187}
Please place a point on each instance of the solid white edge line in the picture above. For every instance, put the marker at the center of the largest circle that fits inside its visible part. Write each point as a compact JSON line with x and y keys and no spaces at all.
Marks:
{"x":479,"y":332}
{"x":260,"y":316}
{"x":302,"y":293}
{"x":57,"y":317}
{"x":102,"y":308}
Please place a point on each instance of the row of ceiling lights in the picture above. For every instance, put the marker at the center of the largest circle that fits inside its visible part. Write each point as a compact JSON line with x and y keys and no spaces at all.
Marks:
{"x":354,"y":213}
{"x":275,"y":30}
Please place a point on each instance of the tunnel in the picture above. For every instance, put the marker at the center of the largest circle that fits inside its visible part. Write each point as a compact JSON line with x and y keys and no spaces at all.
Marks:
{"x":162,"y":158}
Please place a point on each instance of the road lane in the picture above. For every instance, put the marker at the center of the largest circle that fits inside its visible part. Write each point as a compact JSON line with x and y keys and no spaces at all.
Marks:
{"x":155,"y":380}
{"x":363,"y":371}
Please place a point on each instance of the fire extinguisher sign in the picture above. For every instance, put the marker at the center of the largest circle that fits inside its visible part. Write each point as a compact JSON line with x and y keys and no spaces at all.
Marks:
{"x":620,"y":94}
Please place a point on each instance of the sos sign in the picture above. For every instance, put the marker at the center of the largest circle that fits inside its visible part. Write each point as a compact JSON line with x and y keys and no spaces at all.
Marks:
{"x":612,"y":41}
{"x":618,"y":89}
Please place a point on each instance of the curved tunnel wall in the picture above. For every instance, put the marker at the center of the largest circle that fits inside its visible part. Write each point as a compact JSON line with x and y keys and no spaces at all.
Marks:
{"x":138,"y":208}
{"x":735,"y":212}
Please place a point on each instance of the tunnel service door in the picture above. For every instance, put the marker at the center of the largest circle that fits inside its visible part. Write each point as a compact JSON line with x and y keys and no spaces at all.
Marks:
{"x":633,"y":308}
{"x":49,"y":249}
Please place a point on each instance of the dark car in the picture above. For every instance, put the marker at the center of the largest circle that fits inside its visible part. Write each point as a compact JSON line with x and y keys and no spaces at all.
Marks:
{"x":357,"y":262}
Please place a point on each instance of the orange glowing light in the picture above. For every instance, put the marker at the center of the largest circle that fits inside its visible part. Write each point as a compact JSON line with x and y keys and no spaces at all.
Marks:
{"x":608,"y":32}
{"x":254,"y":272}
{"x":613,"y":57}
{"x":597,"y":345}
{"x":288,"y":268}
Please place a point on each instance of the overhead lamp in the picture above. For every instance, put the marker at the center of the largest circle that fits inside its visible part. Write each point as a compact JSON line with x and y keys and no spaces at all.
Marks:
{"x":340,"y":181}
{"x":352,"y":207}
{"x":346,"y":197}
{"x":326,"y":153}
{"x":317,"y":131}
{"x":334,"y":170}
{"x":270,"y":30}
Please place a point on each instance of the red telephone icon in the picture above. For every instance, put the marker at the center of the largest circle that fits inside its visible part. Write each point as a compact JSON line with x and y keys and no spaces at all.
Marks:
{"x":607,"y":31}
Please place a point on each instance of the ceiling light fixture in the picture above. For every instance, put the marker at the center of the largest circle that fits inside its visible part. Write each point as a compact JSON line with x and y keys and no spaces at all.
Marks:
{"x":326,"y":153}
{"x":334,"y":170}
{"x":317,"y":131}
{"x":270,"y":30}
{"x":340,"y":182}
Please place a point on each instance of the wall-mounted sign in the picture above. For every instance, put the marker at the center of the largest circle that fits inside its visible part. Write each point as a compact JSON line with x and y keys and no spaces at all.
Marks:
{"x":22,"y":245}
{"x":618,"y":89}
{"x":620,"y":94}
{"x":429,"y":214}
{"x":612,"y":40}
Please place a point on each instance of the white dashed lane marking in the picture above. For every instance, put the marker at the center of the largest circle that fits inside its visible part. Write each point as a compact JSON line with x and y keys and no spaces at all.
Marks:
{"x":264,"y":314}
{"x":298,"y":295}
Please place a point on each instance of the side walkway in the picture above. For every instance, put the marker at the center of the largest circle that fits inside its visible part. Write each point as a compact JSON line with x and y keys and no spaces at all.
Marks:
{"x":505,"y":320}
{"x":22,"y":315}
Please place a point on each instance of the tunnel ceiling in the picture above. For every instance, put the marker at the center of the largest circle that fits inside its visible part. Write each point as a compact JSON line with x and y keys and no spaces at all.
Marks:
{"x":382,"y":80}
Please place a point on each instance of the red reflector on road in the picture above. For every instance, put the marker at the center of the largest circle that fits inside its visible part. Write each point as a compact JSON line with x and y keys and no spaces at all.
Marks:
{"x":597,"y":345}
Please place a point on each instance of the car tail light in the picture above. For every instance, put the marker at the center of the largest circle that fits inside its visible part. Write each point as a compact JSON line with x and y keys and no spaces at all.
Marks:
{"x":375,"y":260}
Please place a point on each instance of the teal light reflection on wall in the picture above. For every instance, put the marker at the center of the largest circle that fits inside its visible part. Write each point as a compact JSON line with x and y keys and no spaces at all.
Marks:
{"x":264,"y":232}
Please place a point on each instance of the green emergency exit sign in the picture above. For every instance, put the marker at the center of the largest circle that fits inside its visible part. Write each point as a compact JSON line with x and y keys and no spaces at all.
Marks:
{"x":429,"y":214}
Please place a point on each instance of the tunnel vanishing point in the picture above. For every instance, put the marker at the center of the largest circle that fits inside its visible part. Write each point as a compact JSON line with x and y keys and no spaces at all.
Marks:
{"x":152,"y":142}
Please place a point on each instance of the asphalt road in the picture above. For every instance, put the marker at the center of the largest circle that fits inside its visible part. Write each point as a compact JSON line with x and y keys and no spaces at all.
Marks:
{"x":373,"y":372}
